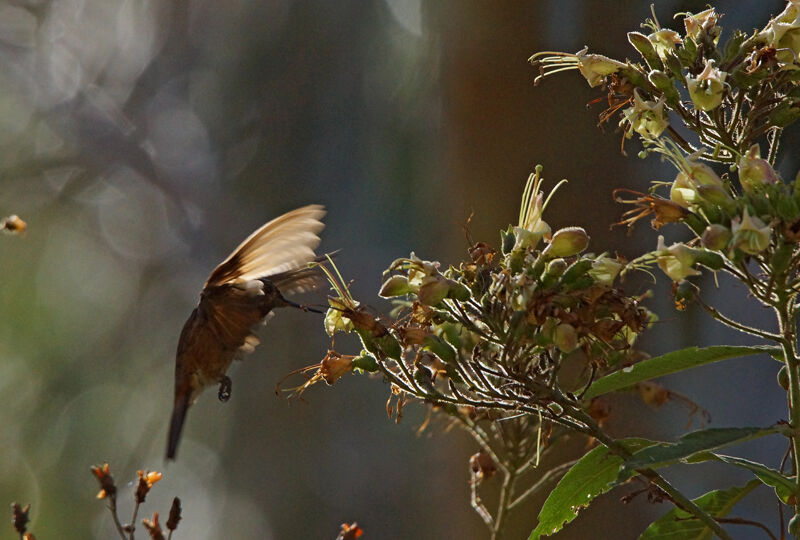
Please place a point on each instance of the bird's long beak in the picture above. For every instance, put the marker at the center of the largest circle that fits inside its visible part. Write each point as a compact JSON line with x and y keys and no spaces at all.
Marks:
{"x":302,"y":306}
{"x":176,"y":423}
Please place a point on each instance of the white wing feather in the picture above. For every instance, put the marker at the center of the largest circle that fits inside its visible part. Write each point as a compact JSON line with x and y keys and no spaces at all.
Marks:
{"x":285,"y":243}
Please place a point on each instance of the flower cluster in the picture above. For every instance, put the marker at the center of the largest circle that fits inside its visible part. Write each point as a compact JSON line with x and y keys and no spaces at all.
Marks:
{"x":737,"y":94}
{"x":146,"y":480}
{"x":503,"y":343}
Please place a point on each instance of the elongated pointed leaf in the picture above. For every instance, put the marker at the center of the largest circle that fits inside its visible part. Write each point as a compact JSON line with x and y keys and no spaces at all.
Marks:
{"x":672,"y":362}
{"x":661,"y":455}
{"x":785,"y":486}
{"x":594,"y":474}
{"x":678,"y":524}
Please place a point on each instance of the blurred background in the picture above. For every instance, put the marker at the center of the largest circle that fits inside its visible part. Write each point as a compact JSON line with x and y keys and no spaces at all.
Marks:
{"x":143,"y":139}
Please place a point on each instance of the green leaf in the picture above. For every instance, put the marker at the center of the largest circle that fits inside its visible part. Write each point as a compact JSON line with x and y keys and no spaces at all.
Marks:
{"x":678,"y":524}
{"x":785,"y":486}
{"x":661,"y":455}
{"x":646,"y":49}
{"x":366,"y":363}
{"x":672,"y":362}
{"x":594,"y":474}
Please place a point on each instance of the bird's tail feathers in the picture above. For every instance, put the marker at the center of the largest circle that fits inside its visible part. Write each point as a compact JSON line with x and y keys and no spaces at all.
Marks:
{"x":176,"y":423}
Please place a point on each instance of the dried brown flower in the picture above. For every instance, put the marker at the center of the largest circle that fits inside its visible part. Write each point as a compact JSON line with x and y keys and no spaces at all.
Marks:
{"x":174,"y":514}
{"x":153,"y":527}
{"x":482,"y":466}
{"x":20,"y":517}
{"x":663,"y":210}
{"x":350,"y":532}
{"x":146,"y":481}
{"x":13,"y":224}
{"x":103,"y":475}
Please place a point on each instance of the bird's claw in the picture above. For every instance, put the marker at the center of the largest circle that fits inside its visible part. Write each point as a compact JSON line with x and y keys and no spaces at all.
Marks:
{"x":224,"y":388}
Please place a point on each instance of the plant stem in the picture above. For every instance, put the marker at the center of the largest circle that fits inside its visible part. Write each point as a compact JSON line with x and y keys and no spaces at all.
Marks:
{"x":786,"y":329}
{"x":503,"y":506}
{"x":112,"y":505}
{"x":546,"y":477}
{"x":133,"y":519}
{"x":714,"y":312}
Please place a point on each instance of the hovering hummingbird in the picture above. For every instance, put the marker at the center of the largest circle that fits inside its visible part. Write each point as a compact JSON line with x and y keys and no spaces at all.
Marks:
{"x":239,"y":294}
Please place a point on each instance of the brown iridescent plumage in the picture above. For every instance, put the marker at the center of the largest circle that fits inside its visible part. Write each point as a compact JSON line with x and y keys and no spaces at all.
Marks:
{"x":240,"y":294}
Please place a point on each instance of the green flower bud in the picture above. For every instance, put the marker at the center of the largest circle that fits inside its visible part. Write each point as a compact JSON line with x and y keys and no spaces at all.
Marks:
{"x":714,"y":194}
{"x":366,"y":362}
{"x":433,"y":290}
{"x":565,"y":338}
{"x":458,"y":291}
{"x":794,"y":526}
{"x":716,"y":237}
{"x":755,"y":172}
{"x":783,"y":378}
{"x":440,"y":348}
{"x":508,"y":239}
{"x":395,"y":286}
{"x":787,"y":208}
{"x":781,"y":258}
{"x":556,"y":267}
{"x":685,"y":293}
{"x":567,"y":242}
{"x":750,"y":234}
{"x":703,"y":174}
{"x":707,"y":88}
{"x":577,"y":270}
{"x":709,"y":259}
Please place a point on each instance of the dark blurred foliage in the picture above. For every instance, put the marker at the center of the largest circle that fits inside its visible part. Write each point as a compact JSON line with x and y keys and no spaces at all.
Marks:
{"x":142,"y":140}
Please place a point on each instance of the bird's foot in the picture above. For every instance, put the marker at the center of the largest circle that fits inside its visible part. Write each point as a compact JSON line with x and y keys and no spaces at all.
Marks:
{"x":224,"y":389}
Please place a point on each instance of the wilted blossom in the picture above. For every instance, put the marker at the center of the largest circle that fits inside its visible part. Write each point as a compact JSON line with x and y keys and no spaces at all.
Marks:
{"x":716,"y":237}
{"x":663,"y":210}
{"x":677,"y":260}
{"x":567,"y":242}
{"x":754,"y":171}
{"x":424,"y":279}
{"x":750,"y":234}
{"x":334,"y":365}
{"x":707,"y":88}
{"x":646,"y":117}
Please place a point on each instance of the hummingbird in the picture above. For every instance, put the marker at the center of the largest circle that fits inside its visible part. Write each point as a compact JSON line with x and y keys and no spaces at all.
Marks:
{"x":239,"y":295}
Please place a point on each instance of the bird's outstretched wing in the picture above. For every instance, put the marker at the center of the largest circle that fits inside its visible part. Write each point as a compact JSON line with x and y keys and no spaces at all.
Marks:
{"x":284,"y":244}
